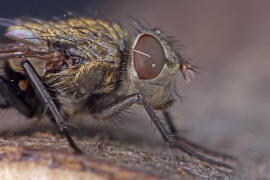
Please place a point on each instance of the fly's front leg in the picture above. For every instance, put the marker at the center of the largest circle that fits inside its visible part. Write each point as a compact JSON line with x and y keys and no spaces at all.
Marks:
{"x":115,"y":107}
{"x":166,"y":135}
{"x":50,"y":105}
{"x":190,"y":144}
{"x":170,"y":138}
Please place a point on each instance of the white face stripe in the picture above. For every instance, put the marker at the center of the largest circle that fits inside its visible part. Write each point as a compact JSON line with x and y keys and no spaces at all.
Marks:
{"x":147,"y":55}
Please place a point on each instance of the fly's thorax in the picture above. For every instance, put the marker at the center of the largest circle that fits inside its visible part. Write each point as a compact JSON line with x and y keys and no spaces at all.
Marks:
{"x":152,"y":68}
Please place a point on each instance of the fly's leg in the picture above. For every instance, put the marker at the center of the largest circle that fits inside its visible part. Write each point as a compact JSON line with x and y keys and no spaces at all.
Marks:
{"x":190,"y":144}
{"x":166,"y":135}
{"x":49,"y":104}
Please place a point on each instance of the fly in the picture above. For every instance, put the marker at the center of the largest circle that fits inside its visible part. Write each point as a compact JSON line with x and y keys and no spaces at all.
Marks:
{"x":86,"y":65}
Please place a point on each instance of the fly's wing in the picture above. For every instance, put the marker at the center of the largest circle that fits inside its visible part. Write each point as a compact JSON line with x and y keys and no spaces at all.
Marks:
{"x":43,"y":43}
{"x":83,"y":38}
{"x":91,"y":39}
{"x":14,"y":52}
{"x":17,"y":44}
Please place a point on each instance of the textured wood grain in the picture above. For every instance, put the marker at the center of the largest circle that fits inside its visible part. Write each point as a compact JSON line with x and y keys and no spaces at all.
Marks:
{"x":44,"y":156}
{"x":21,"y":163}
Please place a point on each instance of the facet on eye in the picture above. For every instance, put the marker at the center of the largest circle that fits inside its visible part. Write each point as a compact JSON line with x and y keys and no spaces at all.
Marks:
{"x":149,"y":57}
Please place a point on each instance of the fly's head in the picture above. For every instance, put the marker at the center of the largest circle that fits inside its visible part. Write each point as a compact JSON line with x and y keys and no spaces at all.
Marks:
{"x":153,"y":66}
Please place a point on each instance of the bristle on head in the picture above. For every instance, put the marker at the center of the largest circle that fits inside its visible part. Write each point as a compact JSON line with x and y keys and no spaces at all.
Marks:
{"x":187,"y":71}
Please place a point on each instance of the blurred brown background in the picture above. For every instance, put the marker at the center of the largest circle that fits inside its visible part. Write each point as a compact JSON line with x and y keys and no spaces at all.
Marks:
{"x":226,"y":106}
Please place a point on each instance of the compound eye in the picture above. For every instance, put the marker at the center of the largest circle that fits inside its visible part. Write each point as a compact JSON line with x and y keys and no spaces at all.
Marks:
{"x":149,"y":57}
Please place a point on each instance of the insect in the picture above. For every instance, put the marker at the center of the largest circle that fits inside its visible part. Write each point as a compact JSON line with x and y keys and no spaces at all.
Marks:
{"x":87,"y":65}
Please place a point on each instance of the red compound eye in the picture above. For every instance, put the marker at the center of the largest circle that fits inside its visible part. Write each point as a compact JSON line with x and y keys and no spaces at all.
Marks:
{"x":149,"y":57}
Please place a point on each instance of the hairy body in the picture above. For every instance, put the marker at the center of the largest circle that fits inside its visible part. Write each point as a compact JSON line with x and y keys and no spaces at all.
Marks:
{"x":82,"y":58}
{"x":77,"y":58}
{"x":85,"y":65}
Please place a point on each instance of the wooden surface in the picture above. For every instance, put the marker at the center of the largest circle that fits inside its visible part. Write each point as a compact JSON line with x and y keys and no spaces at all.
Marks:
{"x":40,"y":155}
{"x":226,"y":108}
